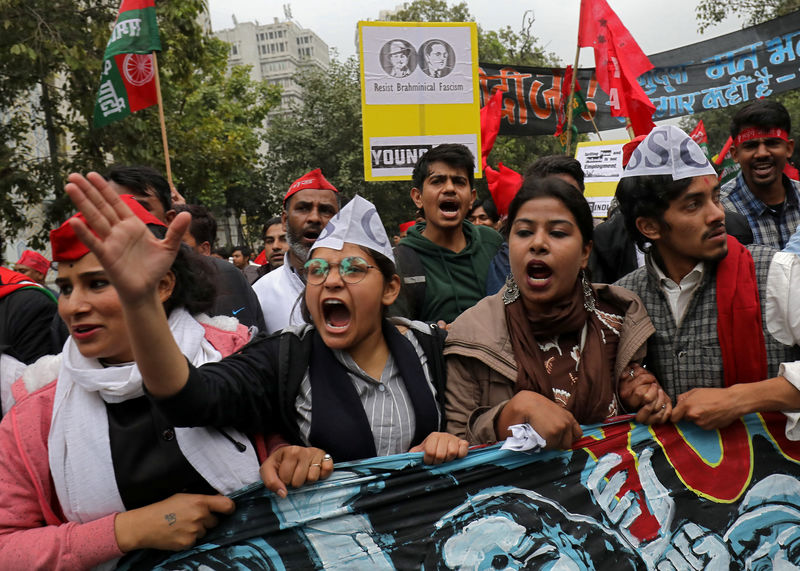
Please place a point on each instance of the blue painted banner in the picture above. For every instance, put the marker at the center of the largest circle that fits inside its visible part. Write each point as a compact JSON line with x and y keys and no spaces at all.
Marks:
{"x":627,"y":496}
{"x":741,"y":66}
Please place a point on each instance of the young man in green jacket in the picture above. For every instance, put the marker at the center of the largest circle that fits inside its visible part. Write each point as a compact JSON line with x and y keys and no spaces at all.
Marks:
{"x":444,"y":260}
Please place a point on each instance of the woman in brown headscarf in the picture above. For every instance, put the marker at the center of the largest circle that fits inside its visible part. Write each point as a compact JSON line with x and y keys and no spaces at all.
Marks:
{"x":549,"y":348}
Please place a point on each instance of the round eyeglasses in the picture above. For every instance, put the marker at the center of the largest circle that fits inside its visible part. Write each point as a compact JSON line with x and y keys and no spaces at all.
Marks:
{"x":352,"y":270}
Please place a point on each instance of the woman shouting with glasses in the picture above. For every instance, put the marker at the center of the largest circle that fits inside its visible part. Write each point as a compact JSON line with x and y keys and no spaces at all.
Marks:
{"x":349,"y":382}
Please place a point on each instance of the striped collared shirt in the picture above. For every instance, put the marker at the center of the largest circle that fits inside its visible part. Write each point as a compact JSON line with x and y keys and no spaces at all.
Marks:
{"x":386,"y":402}
{"x":768,"y":229}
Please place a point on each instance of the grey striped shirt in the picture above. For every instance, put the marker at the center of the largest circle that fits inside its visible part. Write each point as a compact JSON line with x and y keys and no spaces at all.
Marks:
{"x":386,"y":402}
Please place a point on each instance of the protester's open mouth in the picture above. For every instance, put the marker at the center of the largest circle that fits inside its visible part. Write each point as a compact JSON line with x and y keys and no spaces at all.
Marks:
{"x":450,"y":208}
{"x":336,"y":314}
{"x":763,"y":169}
{"x":310,"y":236}
{"x":538,"y":273}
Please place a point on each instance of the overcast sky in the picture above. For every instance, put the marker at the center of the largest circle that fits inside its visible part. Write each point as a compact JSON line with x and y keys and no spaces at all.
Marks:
{"x":657,"y":26}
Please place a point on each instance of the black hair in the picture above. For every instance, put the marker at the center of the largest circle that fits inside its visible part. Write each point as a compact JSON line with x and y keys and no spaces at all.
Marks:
{"x":556,"y":164}
{"x":551,"y":187}
{"x":385,"y":266}
{"x":648,"y":197}
{"x":245,"y":250}
{"x":223,"y":252}
{"x":454,"y":155}
{"x":488,"y":207}
{"x":763,"y":113}
{"x":194,"y":290}
{"x":204,"y":226}
{"x":139,"y":179}
{"x":272,"y":222}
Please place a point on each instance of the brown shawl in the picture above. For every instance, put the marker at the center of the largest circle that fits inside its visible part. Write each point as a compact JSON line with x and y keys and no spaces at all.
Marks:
{"x":594,"y":389}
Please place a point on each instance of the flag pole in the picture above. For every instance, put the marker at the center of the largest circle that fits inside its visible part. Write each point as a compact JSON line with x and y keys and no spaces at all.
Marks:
{"x":163,"y":123}
{"x":596,"y":130}
{"x":571,"y":100}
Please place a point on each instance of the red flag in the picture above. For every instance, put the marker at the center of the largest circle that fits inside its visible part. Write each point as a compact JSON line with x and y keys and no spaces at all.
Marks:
{"x":503,"y":184}
{"x":790,"y":171}
{"x":619,"y":61}
{"x":490,"y":124}
{"x":700,"y":137}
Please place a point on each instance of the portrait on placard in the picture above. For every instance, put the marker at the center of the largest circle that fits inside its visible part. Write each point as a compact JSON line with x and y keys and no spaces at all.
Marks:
{"x":417,"y":65}
{"x":398,"y":58}
{"x":437,"y":58}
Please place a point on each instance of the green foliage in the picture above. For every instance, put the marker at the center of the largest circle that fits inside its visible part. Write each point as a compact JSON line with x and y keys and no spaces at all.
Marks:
{"x":213,"y":118}
{"x":710,"y":12}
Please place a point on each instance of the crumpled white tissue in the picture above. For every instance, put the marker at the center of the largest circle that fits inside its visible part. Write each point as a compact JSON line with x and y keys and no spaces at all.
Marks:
{"x":523,"y":439}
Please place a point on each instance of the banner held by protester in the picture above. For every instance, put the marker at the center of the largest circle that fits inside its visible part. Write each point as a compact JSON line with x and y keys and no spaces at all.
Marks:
{"x":627,"y":496}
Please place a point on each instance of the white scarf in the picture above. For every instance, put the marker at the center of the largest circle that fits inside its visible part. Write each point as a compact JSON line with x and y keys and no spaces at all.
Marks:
{"x":79,"y":448}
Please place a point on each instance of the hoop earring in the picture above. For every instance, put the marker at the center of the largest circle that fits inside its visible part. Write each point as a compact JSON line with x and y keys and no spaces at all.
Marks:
{"x":588,"y":293}
{"x":511,"y":292}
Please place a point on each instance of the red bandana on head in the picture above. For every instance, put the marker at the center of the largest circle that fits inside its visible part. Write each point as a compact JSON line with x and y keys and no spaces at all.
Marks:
{"x":34,"y":261}
{"x":314,"y":180}
{"x":68,"y":247}
{"x":758,"y":133}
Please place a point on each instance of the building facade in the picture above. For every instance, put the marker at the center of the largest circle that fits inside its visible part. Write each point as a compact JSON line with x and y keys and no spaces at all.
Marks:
{"x":276,"y":52}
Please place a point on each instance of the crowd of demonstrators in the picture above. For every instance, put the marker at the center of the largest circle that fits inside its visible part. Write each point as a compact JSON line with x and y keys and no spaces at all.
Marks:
{"x":346,"y":348}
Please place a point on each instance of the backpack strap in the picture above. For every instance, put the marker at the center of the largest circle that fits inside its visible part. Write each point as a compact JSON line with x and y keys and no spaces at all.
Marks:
{"x":294,"y":355}
{"x":412,"y":292}
{"x":432,"y":344}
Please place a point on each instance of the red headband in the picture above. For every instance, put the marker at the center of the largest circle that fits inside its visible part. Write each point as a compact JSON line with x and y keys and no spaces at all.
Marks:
{"x":34,"y":261}
{"x":314,"y":180}
{"x":67,"y":247}
{"x":758,"y":133}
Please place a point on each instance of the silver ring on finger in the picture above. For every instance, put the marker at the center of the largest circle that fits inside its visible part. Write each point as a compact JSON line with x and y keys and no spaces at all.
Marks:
{"x":317,"y":465}
{"x":663,"y":406}
{"x":327,"y":457}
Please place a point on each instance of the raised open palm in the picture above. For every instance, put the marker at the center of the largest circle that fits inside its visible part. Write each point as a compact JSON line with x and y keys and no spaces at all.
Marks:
{"x":134,"y":259}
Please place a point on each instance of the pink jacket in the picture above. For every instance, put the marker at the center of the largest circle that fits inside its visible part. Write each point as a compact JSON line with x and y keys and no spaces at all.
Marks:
{"x":33,"y":531}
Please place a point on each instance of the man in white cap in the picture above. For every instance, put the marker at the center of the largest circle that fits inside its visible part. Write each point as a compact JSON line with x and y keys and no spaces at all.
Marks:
{"x":705,"y":293}
{"x":307,"y":206}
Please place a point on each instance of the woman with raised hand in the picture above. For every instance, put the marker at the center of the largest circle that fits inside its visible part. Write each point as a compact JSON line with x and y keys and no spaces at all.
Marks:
{"x":91,"y":469}
{"x":350,"y":381}
{"x":549,"y":348}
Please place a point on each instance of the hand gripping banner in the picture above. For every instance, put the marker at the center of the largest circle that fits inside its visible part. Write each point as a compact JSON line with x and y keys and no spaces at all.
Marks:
{"x":627,"y":496}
